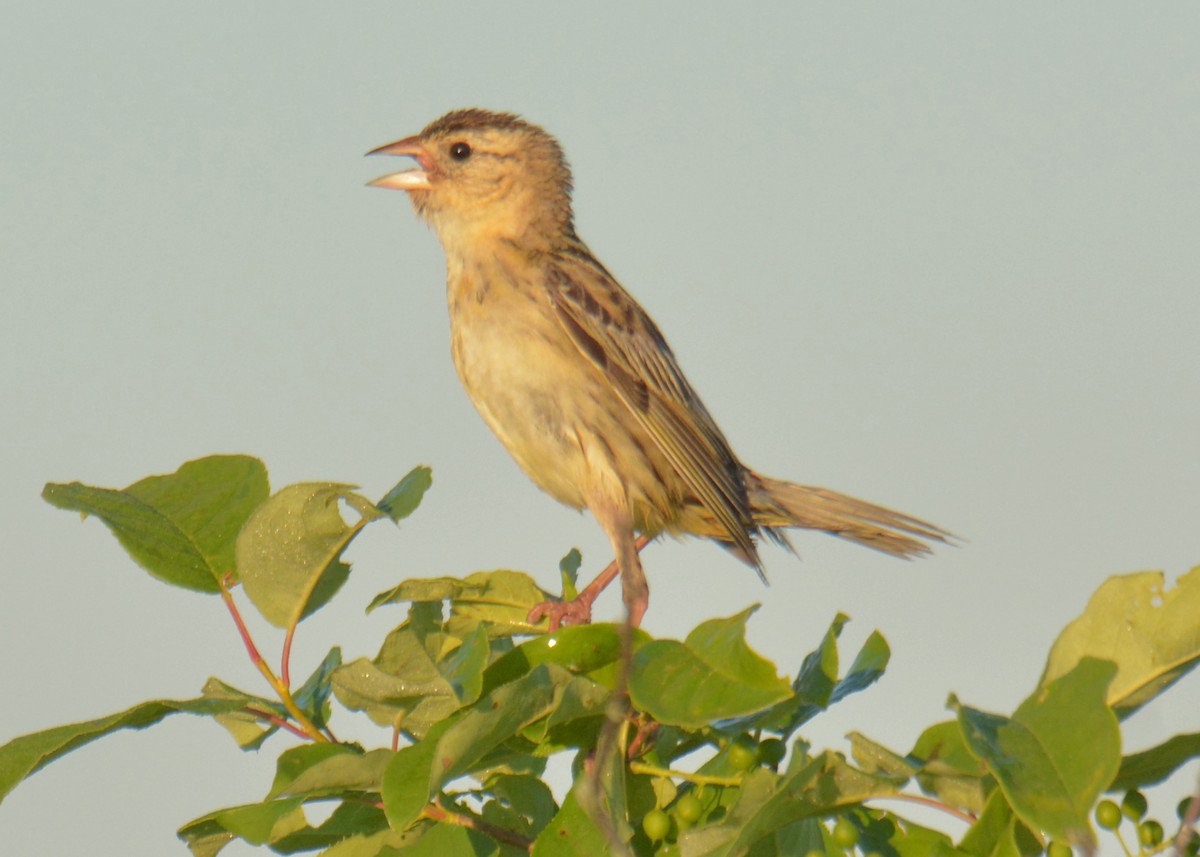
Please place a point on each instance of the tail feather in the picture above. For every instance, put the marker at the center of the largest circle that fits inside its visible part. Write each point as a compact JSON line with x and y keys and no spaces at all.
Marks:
{"x":777,"y":504}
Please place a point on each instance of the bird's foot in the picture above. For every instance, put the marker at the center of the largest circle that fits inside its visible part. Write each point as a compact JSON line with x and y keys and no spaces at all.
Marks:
{"x":576,"y":611}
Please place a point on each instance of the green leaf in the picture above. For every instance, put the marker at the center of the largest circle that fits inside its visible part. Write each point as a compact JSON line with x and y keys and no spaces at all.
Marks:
{"x":817,"y":679}
{"x":314,"y":770}
{"x":463,"y":667}
{"x":711,"y":676}
{"x":312,"y":697}
{"x":1151,"y":634}
{"x":568,"y":569}
{"x":289,"y":552}
{"x":205,"y":839}
{"x":802,"y":837}
{"x":381,"y":843}
{"x":869,"y":664}
{"x":571,"y":833}
{"x":404,"y":499}
{"x":1056,"y":754}
{"x":296,"y":760}
{"x":350,"y":820}
{"x":582,"y":649}
{"x":522,"y":804}
{"x":419,"y":771}
{"x":180,"y":527}
{"x":906,"y":839}
{"x":420,"y":676}
{"x":949,"y":770}
{"x":1152,"y":766}
{"x":876,"y":759}
{"x":249,"y":730}
{"x":999,"y":833}
{"x":25,"y":755}
{"x":280,"y":821}
{"x":582,"y":700}
{"x":817,"y":686}
{"x":410,"y":779}
{"x":256,"y":823}
{"x":500,"y":599}
{"x":767,"y":803}
{"x":451,"y":840}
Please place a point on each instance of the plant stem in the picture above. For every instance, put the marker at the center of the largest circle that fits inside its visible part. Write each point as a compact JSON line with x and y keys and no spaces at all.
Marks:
{"x":1121,"y":840}
{"x":698,"y":779}
{"x":436,"y":812}
{"x":285,"y":669}
{"x":276,"y":720}
{"x":928,"y":801}
{"x":281,"y":689}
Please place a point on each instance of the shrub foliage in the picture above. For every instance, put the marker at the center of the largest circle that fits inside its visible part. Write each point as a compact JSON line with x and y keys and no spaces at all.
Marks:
{"x":690,"y":747}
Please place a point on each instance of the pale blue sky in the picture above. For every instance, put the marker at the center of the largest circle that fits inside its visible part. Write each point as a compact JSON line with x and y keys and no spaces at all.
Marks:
{"x":937,"y":255}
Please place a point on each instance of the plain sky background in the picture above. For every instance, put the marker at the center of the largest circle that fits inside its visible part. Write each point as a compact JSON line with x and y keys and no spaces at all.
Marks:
{"x":940,"y":256}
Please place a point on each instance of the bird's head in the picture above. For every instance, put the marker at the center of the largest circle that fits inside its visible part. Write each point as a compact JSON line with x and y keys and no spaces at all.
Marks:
{"x":483,"y":175}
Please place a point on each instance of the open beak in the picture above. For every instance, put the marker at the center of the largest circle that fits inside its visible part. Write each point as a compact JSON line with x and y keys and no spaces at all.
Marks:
{"x":414,"y":179}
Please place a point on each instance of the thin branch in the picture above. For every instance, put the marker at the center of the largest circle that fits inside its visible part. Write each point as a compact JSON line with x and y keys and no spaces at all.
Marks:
{"x":1187,"y":824}
{"x":276,"y":720}
{"x":646,"y":730}
{"x":285,"y":695}
{"x":698,"y":779}
{"x":928,"y":801}
{"x":436,"y":812}
{"x":285,"y":668}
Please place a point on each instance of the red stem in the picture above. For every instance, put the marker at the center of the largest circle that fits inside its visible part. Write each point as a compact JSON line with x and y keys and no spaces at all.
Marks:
{"x":285,"y":671}
{"x":928,"y":801}
{"x":278,"y":721}
{"x":436,"y":812}
{"x":227,"y":597}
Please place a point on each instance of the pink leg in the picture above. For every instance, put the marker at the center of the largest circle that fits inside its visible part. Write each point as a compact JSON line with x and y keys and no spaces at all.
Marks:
{"x":578,"y":611}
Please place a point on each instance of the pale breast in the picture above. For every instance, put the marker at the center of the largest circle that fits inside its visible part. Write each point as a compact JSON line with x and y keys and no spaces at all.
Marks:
{"x":548,"y":404}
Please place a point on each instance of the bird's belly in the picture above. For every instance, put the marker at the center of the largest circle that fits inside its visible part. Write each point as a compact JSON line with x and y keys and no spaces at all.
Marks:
{"x":529,"y":393}
{"x":555,"y":413}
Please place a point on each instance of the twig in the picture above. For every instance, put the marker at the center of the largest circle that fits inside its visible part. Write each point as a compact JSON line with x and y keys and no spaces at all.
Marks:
{"x":275,"y":720}
{"x":281,"y":689}
{"x":436,"y":812}
{"x":928,"y":801}
{"x":1187,"y":825}
{"x":698,"y":779}
{"x":607,"y":752}
{"x":285,"y":660}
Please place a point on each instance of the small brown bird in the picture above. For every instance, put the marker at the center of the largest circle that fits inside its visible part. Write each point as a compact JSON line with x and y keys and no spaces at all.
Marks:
{"x":575,"y":378}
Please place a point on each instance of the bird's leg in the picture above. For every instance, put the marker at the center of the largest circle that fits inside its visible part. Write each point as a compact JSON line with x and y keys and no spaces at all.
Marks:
{"x":635,"y":591}
{"x":578,"y":611}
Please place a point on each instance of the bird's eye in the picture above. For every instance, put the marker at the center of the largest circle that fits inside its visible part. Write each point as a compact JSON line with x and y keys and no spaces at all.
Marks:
{"x":460,"y":151}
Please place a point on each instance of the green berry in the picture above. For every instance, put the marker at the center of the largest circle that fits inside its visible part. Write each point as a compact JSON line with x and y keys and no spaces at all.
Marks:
{"x":1150,"y":833}
{"x":771,"y":752}
{"x":1133,"y":805}
{"x":1108,"y":815}
{"x":1182,"y":809}
{"x":1057,"y":849}
{"x":657,"y":825}
{"x":845,"y":834}
{"x":742,"y":754}
{"x":688,"y":809}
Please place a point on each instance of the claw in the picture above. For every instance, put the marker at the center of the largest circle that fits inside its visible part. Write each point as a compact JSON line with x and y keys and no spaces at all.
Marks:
{"x":577,"y":611}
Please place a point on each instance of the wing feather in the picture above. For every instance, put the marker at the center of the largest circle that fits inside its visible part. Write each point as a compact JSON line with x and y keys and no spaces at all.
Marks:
{"x":619,"y":338}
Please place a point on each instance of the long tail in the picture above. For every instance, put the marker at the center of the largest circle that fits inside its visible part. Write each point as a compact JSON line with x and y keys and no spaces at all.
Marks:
{"x":777,"y":504}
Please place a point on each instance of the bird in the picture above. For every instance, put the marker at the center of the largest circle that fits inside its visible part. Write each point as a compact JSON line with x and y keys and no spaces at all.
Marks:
{"x":578,"y":382}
